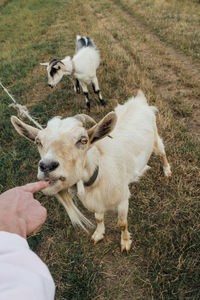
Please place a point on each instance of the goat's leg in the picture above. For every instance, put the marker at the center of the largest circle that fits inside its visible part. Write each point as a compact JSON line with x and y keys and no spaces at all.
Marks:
{"x":85,"y":91}
{"x":100,"y":230}
{"x":159,"y":149}
{"x":77,"y":87}
{"x":123,"y":224}
{"x":96,"y":90}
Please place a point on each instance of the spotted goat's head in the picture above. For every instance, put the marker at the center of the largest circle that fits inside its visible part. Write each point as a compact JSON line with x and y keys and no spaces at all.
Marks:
{"x":55,"y":71}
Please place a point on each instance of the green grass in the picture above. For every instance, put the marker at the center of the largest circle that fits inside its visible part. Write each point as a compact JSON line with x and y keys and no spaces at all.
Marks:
{"x":163,"y":215}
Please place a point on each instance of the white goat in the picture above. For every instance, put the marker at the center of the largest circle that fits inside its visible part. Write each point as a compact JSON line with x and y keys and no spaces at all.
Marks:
{"x":99,"y":166}
{"x":83,"y":66}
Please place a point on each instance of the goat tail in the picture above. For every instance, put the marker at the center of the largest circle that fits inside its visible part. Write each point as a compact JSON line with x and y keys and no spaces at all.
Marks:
{"x":143,"y":100}
{"x":83,"y":41}
{"x":76,"y":217}
{"x":142,"y":97}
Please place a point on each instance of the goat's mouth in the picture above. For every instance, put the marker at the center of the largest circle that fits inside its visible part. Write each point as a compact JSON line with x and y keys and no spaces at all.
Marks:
{"x":54,"y":180}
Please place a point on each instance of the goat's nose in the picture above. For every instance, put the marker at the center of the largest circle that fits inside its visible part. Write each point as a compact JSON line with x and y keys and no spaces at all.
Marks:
{"x":48,"y":167}
{"x":50,"y":85}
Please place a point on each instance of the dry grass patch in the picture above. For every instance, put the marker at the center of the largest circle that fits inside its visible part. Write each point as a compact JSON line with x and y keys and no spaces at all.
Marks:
{"x":174,"y":22}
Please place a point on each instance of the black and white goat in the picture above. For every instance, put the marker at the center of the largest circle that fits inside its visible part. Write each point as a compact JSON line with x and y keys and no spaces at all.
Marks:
{"x":83,"y":66}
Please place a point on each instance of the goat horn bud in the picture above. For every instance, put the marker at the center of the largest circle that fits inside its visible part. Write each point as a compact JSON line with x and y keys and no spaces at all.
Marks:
{"x":85,"y":119}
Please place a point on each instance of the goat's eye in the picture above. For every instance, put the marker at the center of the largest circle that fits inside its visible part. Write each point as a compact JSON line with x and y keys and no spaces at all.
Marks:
{"x":38,"y":143}
{"x":82,"y":141}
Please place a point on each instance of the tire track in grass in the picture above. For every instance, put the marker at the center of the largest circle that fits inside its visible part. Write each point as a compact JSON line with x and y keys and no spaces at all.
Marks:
{"x":193,"y":70}
{"x":188,"y":72}
{"x":172,"y":81}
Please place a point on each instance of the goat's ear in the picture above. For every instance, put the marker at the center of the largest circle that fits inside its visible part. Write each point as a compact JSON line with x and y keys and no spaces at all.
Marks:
{"x":44,"y":64}
{"x":57,"y":67}
{"x":25,"y":130}
{"x":103,"y":128}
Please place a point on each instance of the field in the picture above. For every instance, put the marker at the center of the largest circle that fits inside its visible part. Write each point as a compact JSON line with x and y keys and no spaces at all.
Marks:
{"x":152,"y":45}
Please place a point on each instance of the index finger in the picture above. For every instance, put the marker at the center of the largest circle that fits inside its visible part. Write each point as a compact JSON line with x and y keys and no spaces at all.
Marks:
{"x":35,"y":186}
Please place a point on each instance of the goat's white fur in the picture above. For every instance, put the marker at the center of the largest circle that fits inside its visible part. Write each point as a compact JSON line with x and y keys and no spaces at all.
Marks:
{"x":86,"y":61}
{"x":121,"y":160}
{"x":83,"y":66}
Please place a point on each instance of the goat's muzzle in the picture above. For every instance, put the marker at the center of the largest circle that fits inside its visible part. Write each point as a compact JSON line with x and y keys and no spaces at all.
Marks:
{"x":48,"y":167}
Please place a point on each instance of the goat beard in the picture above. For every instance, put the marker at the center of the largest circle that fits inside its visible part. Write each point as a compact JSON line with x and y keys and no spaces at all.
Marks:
{"x":77,"y":218}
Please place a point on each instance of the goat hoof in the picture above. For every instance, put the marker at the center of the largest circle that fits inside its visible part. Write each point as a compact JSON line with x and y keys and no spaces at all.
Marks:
{"x":96,"y":237}
{"x":126,"y":245}
{"x":103,"y":103}
{"x":77,"y":90}
{"x":88,"y":107}
{"x":167,"y":171}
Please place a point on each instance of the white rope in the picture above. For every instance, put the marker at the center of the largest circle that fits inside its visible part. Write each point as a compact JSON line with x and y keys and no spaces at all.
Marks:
{"x":22,"y":110}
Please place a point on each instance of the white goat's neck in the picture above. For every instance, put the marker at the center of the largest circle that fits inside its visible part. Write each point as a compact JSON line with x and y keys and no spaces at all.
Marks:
{"x":91,"y":162}
{"x":69,"y":67}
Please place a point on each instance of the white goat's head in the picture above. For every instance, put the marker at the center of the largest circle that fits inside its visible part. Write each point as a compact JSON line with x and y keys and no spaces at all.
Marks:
{"x":63,"y":146}
{"x":55,"y":71}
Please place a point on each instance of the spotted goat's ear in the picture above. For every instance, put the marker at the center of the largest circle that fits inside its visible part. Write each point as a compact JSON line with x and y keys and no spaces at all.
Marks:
{"x":23,"y":129}
{"x":44,"y":64}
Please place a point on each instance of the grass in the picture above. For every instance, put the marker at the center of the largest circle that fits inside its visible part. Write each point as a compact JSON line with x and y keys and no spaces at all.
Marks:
{"x":152,"y":45}
{"x":174,"y":22}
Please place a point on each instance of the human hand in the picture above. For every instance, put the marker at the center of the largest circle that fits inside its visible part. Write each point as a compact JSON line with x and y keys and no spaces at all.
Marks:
{"x":20,"y":213}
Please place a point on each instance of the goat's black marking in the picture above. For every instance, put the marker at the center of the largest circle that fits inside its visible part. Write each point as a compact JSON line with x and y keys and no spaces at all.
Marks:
{"x":93,"y":86}
{"x":84,"y":42}
{"x":99,"y":95}
{"x":87,"y":100}
{"x":54,"y":62}
{"x":77,"y":86}
{"x":102,"y":101}
{"x":88,"y":105}
{"x":89,"y":42}
{"x":53,"y":71}
{"x":86,"y":95}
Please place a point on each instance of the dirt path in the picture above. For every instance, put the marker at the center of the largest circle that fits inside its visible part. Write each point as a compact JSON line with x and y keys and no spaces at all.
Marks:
{"x":187,"y":64}
{"x":174,"y":77}
{"x":187,"y":68}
